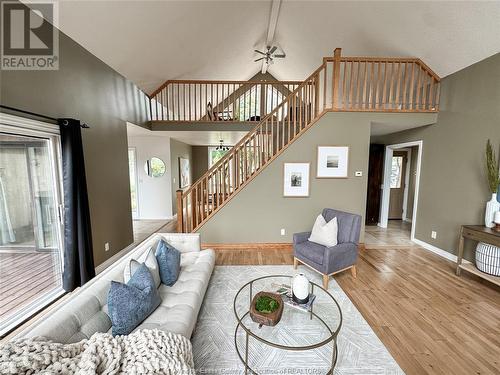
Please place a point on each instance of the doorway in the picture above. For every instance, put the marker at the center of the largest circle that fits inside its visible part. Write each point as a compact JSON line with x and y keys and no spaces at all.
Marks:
{"x":391,"y":211}
{"x":401,"y":180}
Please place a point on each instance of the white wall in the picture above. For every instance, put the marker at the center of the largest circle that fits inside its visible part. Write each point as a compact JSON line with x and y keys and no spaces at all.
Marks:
{"x":154,"y":194}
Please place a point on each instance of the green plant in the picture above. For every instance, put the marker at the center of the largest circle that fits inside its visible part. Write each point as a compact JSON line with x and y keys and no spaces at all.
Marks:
{"x":492,"y":169}
{"x":266,"y":305}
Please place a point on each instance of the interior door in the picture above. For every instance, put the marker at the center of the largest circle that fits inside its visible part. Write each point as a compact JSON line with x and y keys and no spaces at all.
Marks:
{"x":375,"y":180}
{"x":398,"y":173}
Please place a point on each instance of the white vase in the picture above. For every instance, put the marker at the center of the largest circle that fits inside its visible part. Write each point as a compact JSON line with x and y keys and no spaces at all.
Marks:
{"x":300,"y":288}
{"x":491,"y":207}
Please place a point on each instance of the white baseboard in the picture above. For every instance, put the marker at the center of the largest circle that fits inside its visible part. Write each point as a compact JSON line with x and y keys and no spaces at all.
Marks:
{"x":438,"y":251}
{"x":407,"y":220}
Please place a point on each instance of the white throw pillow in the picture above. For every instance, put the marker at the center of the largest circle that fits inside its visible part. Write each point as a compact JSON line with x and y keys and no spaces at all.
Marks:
{"x":324,"y":233}
{"x":149,"y":258}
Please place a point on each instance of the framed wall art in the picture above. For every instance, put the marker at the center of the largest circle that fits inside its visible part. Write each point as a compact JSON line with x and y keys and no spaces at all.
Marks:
{"x":333,"y":162}
{"x":296,"y":179}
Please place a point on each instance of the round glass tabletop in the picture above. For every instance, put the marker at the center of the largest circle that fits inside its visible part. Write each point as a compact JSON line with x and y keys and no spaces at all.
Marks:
{"x":297,"y":329}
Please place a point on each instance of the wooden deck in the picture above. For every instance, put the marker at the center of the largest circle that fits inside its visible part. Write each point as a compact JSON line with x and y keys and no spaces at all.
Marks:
{"x":25,"y":277}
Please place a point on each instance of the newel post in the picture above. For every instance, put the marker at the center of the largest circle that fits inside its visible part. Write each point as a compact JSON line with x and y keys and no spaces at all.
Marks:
{"x":336,"y":77}
{"x":180,"y":213}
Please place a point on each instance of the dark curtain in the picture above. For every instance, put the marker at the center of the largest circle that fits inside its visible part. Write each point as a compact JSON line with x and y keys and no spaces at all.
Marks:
{"x":78,"y":254}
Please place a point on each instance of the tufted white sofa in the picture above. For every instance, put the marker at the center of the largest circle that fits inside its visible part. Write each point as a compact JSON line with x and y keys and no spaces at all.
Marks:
{"x":85,"y":312}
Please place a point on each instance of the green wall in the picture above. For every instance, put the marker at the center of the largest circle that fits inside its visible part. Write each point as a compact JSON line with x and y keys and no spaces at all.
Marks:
{"x":259,"y":211}
{"x":200,"y":161}
{"x":453,"y":187}
{"x":87,"y":89}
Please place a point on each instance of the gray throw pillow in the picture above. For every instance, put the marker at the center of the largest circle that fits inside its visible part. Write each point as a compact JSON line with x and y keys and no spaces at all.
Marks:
{"x":169,"y":262}
{"x":129,"y":304}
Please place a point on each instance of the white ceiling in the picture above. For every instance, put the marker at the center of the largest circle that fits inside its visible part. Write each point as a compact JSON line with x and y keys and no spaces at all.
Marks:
{"x":195,"y":138}
{"x":152,"y":41}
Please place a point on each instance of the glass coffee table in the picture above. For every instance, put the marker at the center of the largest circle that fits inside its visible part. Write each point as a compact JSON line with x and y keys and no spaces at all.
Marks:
{"x":297,"y":331}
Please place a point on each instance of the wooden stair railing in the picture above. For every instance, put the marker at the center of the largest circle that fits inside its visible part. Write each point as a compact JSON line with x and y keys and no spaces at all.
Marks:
{"x":339,"y":84}
{"x":203,"y":101}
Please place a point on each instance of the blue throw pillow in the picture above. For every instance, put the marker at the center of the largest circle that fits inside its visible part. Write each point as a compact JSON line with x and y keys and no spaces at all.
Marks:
{"x":129,"y":304}
{"x":169,"y":262}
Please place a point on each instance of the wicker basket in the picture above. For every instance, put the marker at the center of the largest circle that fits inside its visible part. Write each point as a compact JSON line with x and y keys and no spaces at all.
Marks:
{"x":488,"y":259}
{"x":270,"y":319}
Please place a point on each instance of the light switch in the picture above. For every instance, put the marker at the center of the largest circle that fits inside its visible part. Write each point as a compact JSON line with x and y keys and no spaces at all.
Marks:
{"x":358,"y":173}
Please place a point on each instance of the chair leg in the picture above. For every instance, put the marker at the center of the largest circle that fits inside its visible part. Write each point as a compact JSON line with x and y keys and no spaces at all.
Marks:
{"x":353,"y":271}
{"x":295,"y":263}
{"x":325,"y":281}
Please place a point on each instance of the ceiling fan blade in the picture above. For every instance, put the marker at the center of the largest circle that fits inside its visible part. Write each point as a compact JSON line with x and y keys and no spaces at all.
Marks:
{"x":262,"y":53}
{"x":262,"y":58}
{"x":279,"y":56}
{"x":273,"y":49}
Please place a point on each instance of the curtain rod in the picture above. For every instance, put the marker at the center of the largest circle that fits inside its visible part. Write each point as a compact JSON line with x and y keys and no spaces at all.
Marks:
{"x":83,"y":125}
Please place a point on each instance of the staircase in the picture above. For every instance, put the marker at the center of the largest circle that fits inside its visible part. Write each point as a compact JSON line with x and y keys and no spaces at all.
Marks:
{"x":357,"y":84}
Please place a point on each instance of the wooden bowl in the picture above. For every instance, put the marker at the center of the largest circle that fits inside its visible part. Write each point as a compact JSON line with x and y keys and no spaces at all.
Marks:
{"x":267,"y":319}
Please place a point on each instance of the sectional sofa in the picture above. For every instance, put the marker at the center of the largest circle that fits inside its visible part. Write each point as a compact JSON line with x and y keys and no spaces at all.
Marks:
{"x":85,"y":311}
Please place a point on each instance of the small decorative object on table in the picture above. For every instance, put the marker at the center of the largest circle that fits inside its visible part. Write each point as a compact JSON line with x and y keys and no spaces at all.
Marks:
{"x":300,"y":289}
{"x":493,"y":181}
{"x":266,"y":308}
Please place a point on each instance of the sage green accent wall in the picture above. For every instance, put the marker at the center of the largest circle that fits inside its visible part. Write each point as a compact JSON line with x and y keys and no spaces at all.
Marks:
{"x":87,"y":89}
{"x":178,"y":149}
{"x":259,"y":211}
{"x":200,"y":161}
{"x":453,"y":187}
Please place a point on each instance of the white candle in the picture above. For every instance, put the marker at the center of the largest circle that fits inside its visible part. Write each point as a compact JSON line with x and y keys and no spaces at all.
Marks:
{"x":497,"y":217}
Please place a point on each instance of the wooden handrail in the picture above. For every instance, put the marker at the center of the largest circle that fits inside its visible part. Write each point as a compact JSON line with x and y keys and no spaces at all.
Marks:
{"x":339,"y":84}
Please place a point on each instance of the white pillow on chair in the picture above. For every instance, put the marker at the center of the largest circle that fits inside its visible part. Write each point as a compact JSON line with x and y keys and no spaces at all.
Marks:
{"x":149,"y":258}
{"x":324,"y":233}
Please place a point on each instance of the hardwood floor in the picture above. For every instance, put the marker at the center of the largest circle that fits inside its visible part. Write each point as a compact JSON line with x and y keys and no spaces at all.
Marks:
{"x":431,"y":321}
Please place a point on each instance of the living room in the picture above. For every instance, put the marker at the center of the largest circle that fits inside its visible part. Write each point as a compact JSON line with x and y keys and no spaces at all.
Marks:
{"x":252,"y":187}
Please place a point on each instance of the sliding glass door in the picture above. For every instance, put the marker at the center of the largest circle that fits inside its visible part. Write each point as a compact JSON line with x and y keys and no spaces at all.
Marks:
{"x":30,"y":218}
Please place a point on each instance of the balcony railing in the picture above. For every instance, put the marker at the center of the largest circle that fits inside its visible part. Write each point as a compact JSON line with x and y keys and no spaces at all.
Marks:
{"x":204,"y":101}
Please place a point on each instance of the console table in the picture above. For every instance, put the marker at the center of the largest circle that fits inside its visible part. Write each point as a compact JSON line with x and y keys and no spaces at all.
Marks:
{"x":481,"y":234}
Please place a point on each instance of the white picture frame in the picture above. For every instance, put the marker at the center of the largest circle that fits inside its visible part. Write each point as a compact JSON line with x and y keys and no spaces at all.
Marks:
{"x":333,"y":162}
{"x":184,"y":173}
{"x":296,"y":180}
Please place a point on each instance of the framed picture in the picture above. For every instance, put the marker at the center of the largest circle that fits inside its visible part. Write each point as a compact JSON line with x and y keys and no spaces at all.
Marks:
{"x":184,"y":173}
{"x":333,"y":162}
{"x":296,"y":179}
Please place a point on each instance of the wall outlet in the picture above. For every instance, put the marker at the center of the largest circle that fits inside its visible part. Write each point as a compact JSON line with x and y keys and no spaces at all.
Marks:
{"x":358,"y":174}
{"x":434,"y":234}
{"x":283,"y":232}
{"x":106,"y":246}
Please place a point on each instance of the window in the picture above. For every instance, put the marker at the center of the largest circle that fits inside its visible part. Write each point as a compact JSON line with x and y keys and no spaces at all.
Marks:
{"x":396,"y":171}
{"x":132,"y":168}
{"x":30,"y":221}
{"x":215,"y":155}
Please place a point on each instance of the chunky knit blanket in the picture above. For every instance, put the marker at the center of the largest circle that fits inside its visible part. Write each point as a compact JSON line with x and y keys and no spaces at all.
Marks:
{"x":142,"y":352}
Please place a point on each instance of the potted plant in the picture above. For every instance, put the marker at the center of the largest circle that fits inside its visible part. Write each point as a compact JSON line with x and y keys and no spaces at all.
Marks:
{"x":266,"y":308}
{"x":493,"y":174}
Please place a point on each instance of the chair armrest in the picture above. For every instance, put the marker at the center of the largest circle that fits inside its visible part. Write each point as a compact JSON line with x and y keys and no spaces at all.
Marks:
{"x":341,"y":256}
{"x":301,"y":237}
{"x":184,"y":242}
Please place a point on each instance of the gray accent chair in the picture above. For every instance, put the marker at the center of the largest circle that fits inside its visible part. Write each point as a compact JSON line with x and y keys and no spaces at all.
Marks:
{"x":330,"y":260}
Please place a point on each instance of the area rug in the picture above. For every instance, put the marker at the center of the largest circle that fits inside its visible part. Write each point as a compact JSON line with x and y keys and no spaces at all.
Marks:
{"x":360,"y":351}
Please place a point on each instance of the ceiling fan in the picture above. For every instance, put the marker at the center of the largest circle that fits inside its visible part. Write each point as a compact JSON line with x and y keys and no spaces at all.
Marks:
{"x":270,"y":55}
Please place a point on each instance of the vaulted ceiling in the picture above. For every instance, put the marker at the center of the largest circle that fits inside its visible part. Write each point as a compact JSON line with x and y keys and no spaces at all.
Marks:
{"x":152,"y":41}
